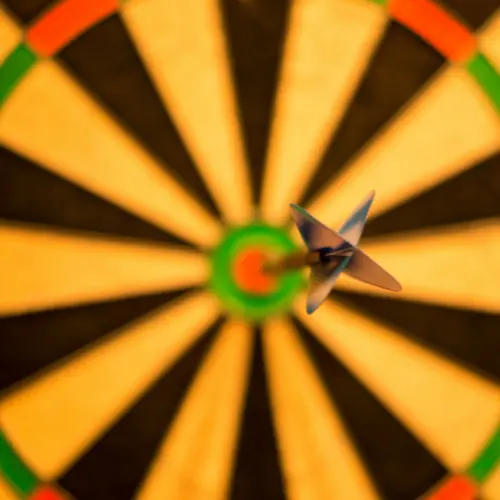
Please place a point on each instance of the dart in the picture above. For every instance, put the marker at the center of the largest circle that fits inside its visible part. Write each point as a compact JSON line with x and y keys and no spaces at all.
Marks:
{"x":330,"y":253}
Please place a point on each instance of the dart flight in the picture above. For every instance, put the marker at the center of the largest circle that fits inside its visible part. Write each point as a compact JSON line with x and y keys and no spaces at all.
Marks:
{"x":330,"y":253}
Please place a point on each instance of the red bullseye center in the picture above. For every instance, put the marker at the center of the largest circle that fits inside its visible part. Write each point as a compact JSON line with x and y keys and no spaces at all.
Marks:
{"x":249,"y":275}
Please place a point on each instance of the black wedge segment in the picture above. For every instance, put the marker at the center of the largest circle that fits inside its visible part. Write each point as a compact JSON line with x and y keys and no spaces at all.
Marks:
{"x":474,"y":194}
{"x":398,"y":71}
{"x":117,"y":465}
{"x":106,"y":61}
{"x":52,"y":335}
{"x":255,"y":32}
{"x":28,"y":10}
{"x":257,"y":472}
{"x":31,"y":194}
{"x":400,"y":466}
{"x":467,"y":337}
{"x":472,"y":14}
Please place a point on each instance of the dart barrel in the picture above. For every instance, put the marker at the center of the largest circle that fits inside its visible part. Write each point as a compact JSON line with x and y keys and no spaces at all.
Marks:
{"x":290,"y":262}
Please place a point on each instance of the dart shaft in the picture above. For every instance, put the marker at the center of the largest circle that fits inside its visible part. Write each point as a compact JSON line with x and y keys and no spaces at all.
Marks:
{"x":290,"y":262}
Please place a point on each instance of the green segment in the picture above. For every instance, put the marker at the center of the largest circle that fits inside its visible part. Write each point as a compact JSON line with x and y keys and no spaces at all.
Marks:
{"x":14,"y":470}
{"x":487,"y":461}
{"x":223,"y":285}
{"x":381,"y":2}
{"x":14,"y":68}
{"x":486,"y":76}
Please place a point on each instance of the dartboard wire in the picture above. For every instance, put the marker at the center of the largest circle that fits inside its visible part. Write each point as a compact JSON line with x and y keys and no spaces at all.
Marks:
{"x":150,"y":192}
{"x":317,"y":455}
{"x":396,"y":160}
{"x":115,"y":372}
{"x":204,"y":434}
{"x":69,"y":269}
{"x":337,"y":327}
{"x":204,"y":108}
{"x":437,"y":266}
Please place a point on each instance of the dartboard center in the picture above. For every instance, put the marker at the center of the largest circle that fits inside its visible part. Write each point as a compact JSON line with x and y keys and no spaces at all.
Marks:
{"x":248,"y":272}
{"x":238,"y":278}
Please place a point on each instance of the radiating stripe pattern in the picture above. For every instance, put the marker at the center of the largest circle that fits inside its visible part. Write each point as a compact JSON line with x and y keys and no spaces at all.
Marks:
{"x":133,"y":134}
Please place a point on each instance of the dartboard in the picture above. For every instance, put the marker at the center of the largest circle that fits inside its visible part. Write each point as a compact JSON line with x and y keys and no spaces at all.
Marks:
{"x":149,"y":153}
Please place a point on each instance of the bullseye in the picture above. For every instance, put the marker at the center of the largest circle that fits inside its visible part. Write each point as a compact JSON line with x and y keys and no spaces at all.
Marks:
{"x":238,"y":279}
{"x":248,"y":273}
